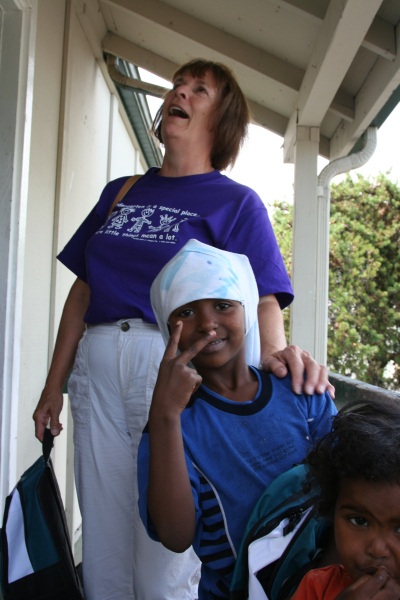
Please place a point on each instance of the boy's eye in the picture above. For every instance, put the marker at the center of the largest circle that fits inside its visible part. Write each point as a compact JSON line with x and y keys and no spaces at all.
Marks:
{"x":360,"y":521}
{"x":185,"y":312}
{"x":223,"y":305}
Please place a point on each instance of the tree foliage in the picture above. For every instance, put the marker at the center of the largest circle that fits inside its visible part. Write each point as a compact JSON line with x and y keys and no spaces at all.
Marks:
{"x":364,"y":278}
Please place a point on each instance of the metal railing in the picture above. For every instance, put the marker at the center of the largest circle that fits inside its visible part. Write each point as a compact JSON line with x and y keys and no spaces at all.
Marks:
{"x":348,"y":389}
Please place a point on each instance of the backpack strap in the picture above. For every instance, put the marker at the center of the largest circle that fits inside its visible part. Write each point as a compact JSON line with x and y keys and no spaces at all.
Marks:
{"x":123,"y":191}
{"x":47,"y":444}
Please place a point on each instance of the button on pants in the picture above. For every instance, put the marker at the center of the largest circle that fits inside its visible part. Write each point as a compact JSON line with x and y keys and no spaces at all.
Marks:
{"x":110,"y":392}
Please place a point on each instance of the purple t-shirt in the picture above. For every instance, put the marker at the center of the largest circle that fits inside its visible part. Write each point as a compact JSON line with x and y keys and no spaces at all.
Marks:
{"x":120,"y":256}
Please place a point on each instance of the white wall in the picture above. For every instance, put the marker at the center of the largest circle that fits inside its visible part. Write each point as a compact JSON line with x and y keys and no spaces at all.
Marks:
{"x":38,"y":257}
{"x":17,"y":30}
{"x":75,"y":139}
{"x":123,"y":158}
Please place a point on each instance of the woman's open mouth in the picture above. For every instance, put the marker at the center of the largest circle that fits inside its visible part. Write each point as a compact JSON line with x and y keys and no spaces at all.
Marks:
{"x":177,"y":111}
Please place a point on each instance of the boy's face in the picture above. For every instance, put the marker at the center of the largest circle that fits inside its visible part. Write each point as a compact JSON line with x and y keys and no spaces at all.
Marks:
{"x":225,"y":317}
{"x":367,"y":527}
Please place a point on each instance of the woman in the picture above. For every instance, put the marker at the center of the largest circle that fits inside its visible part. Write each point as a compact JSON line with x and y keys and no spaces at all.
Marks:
{"x":108,"y":330}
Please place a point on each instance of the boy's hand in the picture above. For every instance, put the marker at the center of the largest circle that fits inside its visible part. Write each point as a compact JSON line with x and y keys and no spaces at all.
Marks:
{"x":379,"y":586}
{"x":176,"y":381}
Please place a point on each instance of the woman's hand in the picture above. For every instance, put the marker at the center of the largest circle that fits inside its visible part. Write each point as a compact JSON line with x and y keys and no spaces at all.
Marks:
{"x":48,"y":412}
{"x":299,"y":362}
{"x":279,"y":359}
{"x":69,"y":333}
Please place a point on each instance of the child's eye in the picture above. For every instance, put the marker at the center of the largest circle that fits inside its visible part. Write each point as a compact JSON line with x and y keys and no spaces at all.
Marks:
{"x":185,"y":312}
{"x":360,"y":521}
{"x":223,"y":305}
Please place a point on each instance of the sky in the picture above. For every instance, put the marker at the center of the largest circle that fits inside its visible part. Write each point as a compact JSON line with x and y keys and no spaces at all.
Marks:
{"x":260,"y":163}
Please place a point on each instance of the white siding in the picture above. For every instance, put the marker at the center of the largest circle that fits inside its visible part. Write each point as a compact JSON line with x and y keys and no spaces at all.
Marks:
{"x":76,"y":138}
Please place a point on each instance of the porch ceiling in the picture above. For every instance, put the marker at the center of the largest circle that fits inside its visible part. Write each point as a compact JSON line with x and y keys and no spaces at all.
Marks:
{"x":332,"y":64}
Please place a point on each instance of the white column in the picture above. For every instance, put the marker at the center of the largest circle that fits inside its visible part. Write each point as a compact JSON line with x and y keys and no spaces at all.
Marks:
{"x":15,"y":128}
{"x":303,"y":331}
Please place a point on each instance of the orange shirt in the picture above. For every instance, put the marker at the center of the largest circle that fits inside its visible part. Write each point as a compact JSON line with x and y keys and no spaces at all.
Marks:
{"x":322,"y":584}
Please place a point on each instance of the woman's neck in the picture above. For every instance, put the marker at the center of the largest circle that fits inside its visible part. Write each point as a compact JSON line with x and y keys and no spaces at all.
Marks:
{"x":181,"y":164}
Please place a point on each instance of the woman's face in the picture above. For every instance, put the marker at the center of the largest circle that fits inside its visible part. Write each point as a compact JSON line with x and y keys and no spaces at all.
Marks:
{"x":189,"y":111}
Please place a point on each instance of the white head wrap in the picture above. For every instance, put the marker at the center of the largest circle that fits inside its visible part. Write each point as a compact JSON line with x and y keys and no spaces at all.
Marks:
{"x":199,"y":271}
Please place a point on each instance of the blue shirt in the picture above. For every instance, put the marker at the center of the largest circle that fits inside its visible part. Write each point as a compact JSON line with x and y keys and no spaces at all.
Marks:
{"x":233,"y":451}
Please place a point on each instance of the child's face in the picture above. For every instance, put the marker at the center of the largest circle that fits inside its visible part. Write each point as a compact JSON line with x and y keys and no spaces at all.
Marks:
{"x":367,"y":527}
{"x":225,"y":317}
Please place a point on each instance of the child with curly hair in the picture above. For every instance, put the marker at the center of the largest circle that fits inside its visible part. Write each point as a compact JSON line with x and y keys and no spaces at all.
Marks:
{"x":357,"y":467}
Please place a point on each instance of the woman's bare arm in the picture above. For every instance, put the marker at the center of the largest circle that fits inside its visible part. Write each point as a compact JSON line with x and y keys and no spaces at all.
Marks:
{"x":69,"y":333}
{"x":279,"y":358}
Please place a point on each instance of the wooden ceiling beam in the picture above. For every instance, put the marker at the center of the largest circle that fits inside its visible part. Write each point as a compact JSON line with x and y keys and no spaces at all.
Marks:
{"x":213,"y":38}
{"x":380,"y":37}
{"x":339,"y":39}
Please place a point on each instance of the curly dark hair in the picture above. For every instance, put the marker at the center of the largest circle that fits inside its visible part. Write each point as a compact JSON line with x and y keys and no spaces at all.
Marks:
{"x":232,"y":116}
{"x":364,"y":443}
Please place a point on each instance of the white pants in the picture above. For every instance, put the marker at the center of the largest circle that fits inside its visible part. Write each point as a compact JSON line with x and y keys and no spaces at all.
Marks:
{"x":110,"y":393}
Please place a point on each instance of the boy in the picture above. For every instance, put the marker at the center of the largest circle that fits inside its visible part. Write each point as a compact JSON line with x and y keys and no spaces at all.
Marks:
{"x":218,"y":433}
{"x":357,"y":467}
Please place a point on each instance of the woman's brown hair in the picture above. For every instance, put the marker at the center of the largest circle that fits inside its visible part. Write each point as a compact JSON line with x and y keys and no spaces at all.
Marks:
{"x":232,"y":115}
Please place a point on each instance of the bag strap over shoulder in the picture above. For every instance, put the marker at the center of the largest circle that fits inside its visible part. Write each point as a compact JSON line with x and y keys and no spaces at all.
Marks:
{"x":47,"y":444}
{"x":123,"y":191}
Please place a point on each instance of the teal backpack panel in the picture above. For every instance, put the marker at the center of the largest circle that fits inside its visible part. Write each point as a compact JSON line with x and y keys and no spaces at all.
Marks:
{"x":284,"y":539}
{"x":36,"y":560}
{"x":40,"y":546}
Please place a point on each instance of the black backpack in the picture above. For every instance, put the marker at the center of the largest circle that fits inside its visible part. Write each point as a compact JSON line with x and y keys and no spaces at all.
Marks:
{"x":284,"y":539}
{"x":36,"y":560}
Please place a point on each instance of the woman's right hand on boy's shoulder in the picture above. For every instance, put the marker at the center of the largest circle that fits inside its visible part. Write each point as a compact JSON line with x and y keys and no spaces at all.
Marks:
{"x":176,"y":381}
{"x":378,"y":586}
{"x":48,"y":411}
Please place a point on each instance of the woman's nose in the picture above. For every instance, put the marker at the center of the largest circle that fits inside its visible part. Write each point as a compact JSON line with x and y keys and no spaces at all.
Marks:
{"x":181,"y":91}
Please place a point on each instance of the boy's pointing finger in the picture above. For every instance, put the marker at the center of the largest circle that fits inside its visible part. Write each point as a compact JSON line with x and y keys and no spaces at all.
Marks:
{"x":198,"y":346}
{"x":173,"y":342}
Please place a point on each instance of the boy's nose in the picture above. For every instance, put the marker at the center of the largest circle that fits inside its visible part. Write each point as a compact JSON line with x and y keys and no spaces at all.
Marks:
{"x":207,"y":323}
{"x":207,"y":327}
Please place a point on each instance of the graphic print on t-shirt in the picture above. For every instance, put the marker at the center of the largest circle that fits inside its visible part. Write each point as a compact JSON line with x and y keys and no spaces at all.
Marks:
{"x":150,"y":223}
